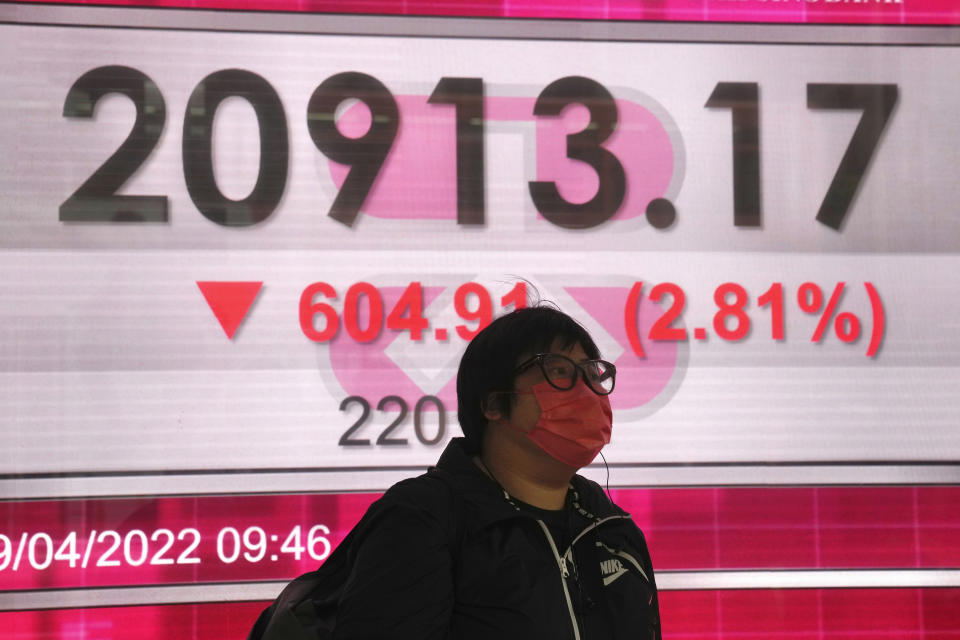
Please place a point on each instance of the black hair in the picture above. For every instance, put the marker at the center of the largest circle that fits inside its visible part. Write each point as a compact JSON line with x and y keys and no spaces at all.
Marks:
{"x":488,"y":363}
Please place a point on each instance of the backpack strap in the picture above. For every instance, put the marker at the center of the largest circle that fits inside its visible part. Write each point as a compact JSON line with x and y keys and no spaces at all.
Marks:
{"x":306,"y":609}
{"x":455,"y":528}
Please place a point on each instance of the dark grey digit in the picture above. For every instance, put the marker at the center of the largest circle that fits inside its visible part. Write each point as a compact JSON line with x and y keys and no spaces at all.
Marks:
{"x":743,"y":99}
{"x":345,"y":439}
{"x":385,"y":438}
{"x":365,"y":155}
{"x":584,"y":146}
{"x":466,"y":94}
{"x":441,"y":418}
{"x":96,"y":200}
{"x":877,"y":102}
{"x":198,"y":148}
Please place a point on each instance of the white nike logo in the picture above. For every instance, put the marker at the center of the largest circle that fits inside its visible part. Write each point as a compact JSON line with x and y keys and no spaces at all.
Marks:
{"x":608,"y":579}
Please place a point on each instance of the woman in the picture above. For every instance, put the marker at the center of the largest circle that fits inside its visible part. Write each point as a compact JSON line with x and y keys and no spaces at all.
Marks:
{"x":501,"y":539}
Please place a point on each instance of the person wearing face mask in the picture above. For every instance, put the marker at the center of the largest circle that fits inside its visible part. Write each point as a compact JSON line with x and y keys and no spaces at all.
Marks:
{"x":502,"y":539}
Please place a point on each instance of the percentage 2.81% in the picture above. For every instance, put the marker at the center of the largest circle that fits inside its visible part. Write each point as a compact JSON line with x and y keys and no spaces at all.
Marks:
{"x":732,"y":323}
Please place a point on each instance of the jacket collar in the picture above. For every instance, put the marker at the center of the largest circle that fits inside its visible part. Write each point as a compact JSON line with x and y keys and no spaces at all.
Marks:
{"x":486,"y":497}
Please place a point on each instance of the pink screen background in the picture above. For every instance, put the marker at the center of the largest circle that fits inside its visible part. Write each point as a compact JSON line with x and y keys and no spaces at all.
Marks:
{"x":783,"y":11}
{"x":688,"y":529}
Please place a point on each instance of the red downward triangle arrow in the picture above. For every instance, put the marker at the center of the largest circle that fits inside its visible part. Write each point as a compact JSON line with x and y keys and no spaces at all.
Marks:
{"x":230,"y":301}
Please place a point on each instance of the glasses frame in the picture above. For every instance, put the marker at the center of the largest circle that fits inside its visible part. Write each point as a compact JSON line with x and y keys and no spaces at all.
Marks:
{"x":579,"y":371}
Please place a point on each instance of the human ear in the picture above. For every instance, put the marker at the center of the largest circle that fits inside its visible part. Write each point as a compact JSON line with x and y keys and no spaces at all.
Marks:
{"x":491,"y":407}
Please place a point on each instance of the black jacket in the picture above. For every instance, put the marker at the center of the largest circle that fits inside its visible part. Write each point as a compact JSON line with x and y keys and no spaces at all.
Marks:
{"x":447,"y":555}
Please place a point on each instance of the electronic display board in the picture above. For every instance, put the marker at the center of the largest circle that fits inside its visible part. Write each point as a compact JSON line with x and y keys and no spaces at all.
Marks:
{"x":244,"y":251}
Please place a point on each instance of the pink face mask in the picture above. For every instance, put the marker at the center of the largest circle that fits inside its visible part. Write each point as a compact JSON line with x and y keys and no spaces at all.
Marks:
{"x":574,"y":425}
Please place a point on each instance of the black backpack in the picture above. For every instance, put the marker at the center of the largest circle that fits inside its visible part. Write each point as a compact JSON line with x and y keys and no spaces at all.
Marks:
{"x":306,"y":609}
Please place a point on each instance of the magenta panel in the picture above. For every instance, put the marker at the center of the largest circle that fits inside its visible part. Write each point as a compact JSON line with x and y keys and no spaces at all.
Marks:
{"x":681,"y":525}
{"x":770,"y":612}
{"x":891,"y":611}
{"x":855,"y":531}
{"x":941,"y":613}
{"x":690,"y":614}
{"x":129,"y":541}
{"x":810,"y":614}
{"x":857,"y":12}
{"x":798,"y":527}
{"x":781,"y":533}
{"x":214,"y":621}
{"x":939,"y":509}
{"x":133,"y":541}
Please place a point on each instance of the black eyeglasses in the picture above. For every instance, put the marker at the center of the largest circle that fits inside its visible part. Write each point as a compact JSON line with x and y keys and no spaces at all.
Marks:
{"x":561,"y":372}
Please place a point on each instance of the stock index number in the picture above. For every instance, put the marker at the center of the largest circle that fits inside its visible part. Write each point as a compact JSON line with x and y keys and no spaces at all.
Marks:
{"x":98,"y":200}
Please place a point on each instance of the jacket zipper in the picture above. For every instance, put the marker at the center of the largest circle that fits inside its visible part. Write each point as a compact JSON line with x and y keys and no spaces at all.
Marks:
{"x":564,"y":573}
{"x":568,"y":554}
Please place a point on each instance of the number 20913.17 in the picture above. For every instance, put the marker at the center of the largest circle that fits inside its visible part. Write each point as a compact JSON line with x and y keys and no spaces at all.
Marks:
{"x":97,"y":200}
